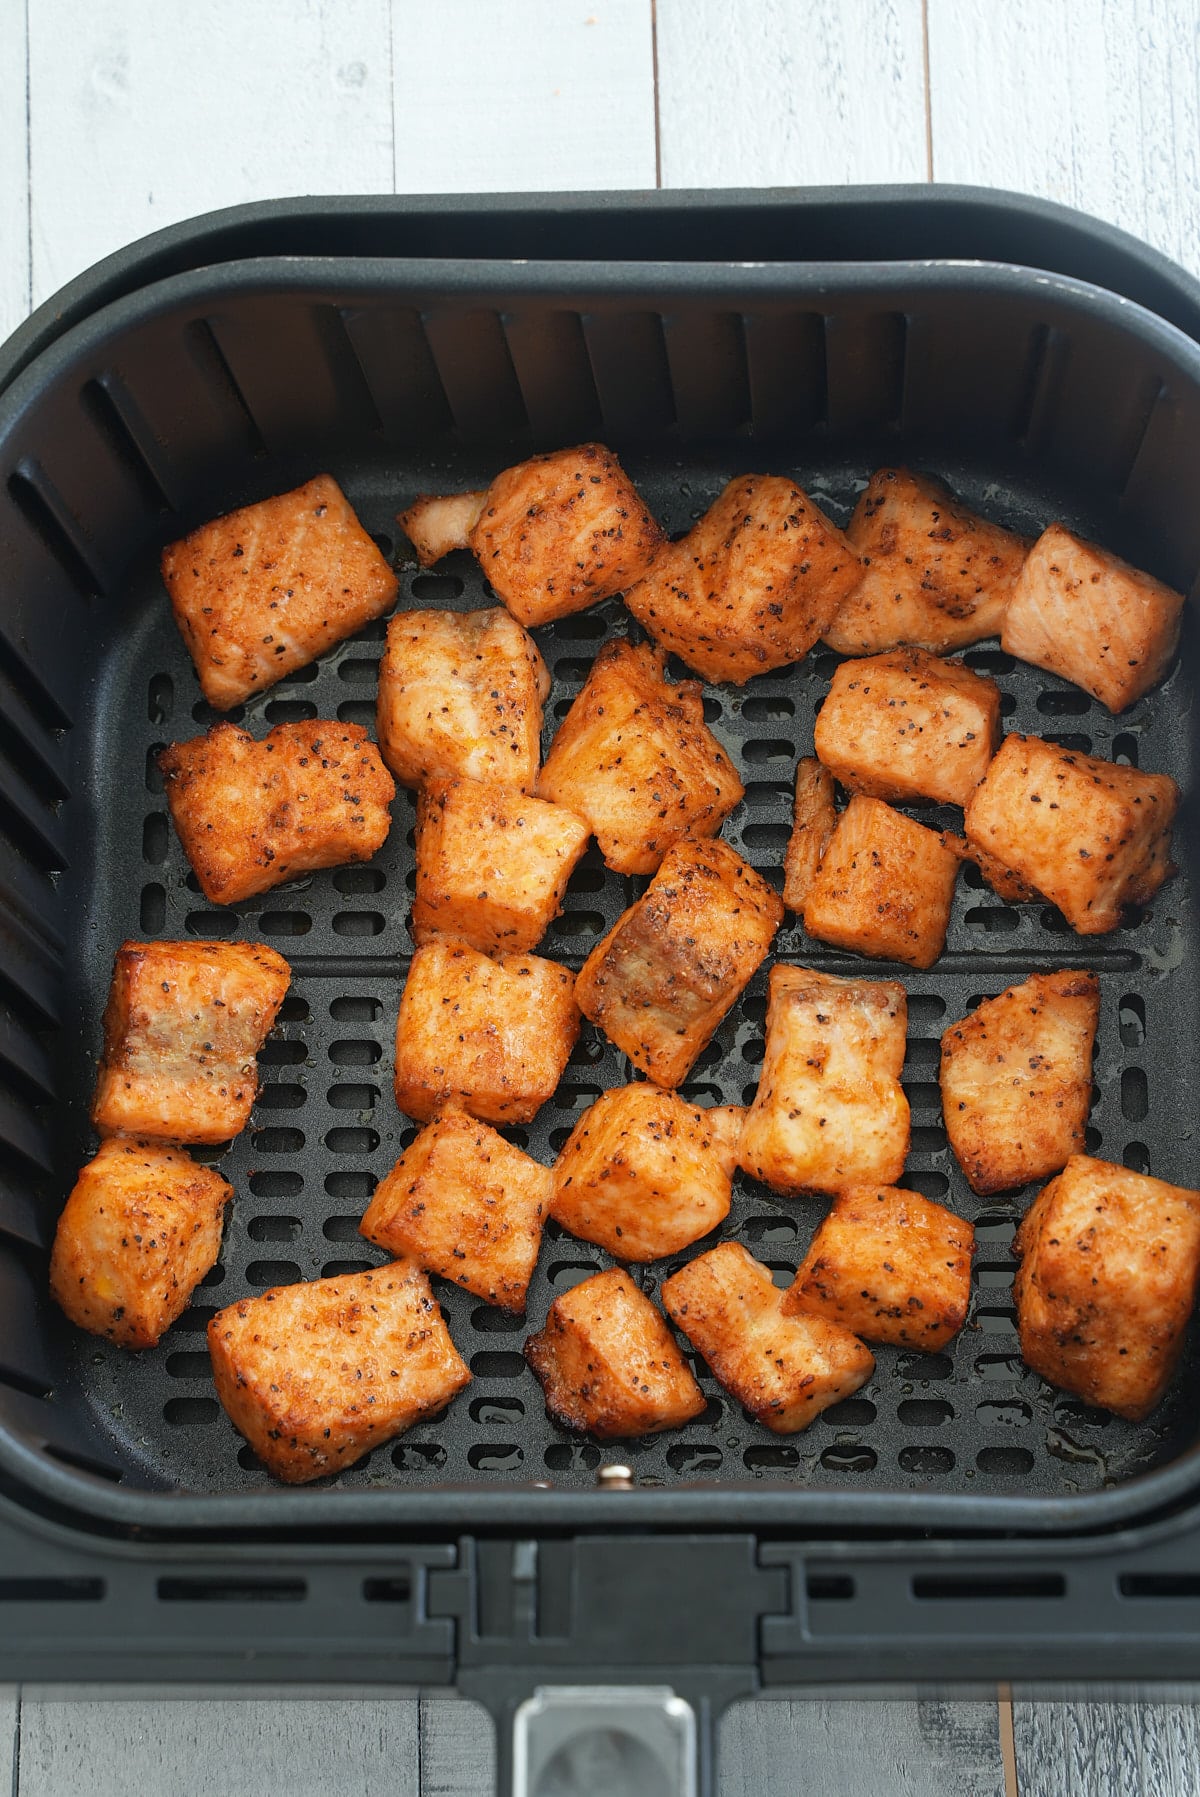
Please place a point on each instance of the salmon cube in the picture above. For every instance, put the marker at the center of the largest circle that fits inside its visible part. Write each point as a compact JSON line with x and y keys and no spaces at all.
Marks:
{"x":1090,"y":835}
{"x":461,"y":694}
{"x":813,"y":822}
{"x":1109,"y":1268}
{"x":553,"y":535}
{"x":491,"y":1035}
{"x":885,"y":886}
{"x":890,"y":1266}
{"x":141,"y":1228}
{"x":492,"y":865}
{"x":671,"y":966}
{"x":609,"y":1364}
{"x":265,"y":590}
{"x":1002,"y":880}
{"x":785,"y":1369}
{"x":316,"y":1375}
{"x":1080,"y":612}
{"x":830,"y":1111}
{"x":644,"y":1174}
{"x":251,"y":815}
{"x":636,"y":759}
{"x":1017,"y":1080}
{"x":182,"y":1026}
{"x":937,"y":576}
{"x":464,"y":1203}
{"x":752,"y":585}
{"x":907,"y":726}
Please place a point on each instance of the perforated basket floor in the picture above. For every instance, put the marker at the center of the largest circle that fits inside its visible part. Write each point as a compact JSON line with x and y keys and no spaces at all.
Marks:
{"x":326,"y":1127}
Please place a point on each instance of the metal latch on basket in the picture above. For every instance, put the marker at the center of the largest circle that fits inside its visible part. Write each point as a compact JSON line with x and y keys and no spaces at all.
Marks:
{"x":639,"y":1740}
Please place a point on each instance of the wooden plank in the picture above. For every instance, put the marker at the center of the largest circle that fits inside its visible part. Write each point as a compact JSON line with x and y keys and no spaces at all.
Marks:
{"x":872,"y":1749}
{"x":458,"y":1748}
{"x":10,"y":1722}
{"x":172,"y":111}
{"x":210,"y":1747}
{"x":1138,"y":1749}
{"x":1096,"y":105}
{"x":548,"y":94}
{"x":768,"y":93}
{"x":14,"y":171}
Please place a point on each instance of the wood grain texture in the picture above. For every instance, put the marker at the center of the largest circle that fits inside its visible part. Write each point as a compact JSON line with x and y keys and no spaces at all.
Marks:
{"x":458,"y":1748}
{"x":205,"y":1747}
{"x":14,"y":183}
{"x":547,"y":94}
{"x":142,"y":115}
{"x":10,"y":1713}
{"x":880,"y":1749}
{"x":768,"y":93}
{"x":1089,"y":1749}
{"x":1095,"y":103}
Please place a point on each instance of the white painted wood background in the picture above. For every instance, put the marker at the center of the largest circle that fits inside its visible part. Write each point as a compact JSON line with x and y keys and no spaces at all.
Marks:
{"x":120,"y":116}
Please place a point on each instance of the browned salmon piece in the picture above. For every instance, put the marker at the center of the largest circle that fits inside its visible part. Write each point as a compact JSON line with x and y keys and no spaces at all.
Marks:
{"x":1017,"y":1080}
{"x":488,"y":1034}
{"x":464,"y":1203}
{"x":830,"y":1111}
{"x":492,"y":864}
{"x":907,"y":726}
{"x":251,"y":815}
{"x":182,"y":1026}
{"x":671,"y":966}
{"x":553,"y":534}
{"x":1080,"y":612}
{"x":785,"y":1369}
{"x":316,"y":1375}
{"x":752,"y":585}
{"x":813,"y":822}
{"x":644,"y":1174}
{"x":1090,"y":835}
{"x":461,"y":693}
{"x":884,"y":886}
{"x":937,"y":575}
{"x":1109,"y":1267}
{"x":262,"y":591}
{"x":609,"y":1364}
{"x":141,"y":1228}
{"x":636,"y":759}
{"x":889,"y":1265}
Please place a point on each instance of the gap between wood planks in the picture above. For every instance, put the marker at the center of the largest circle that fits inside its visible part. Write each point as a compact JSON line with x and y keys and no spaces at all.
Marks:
{"x":1008,"y":1741}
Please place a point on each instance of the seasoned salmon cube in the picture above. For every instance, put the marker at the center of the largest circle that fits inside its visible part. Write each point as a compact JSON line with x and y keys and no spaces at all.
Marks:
{"x":888,"y":1265}
{"x":785,"y":1369}
{"x":265,"y":590}
{"x":813,"y":821}
{"x":908,"y":725}
{"x":182,"y":1026}
{"x":1017,"y":1080}
{"x":553,"y":535}
{"x":1089,"y":835}
{"x":316,"y":1375}
{"x":636,"y":759}
{"x":491,"y":1035}
{"x":1080,"y":612}
{"x":1109,"y":1267}
{"x":461,"y":693}
{"x":671,"y":966}
{"x":251,"y":815}
{"x":644,"y":1174}
{"x":141,"y":1228}
{"x":1002,"y":880}
{"x":830,"y":1111}
{"x":609,"y":1364}
{"x":464,"y":1203}
{"x":752,"y":585}
{"x":492,"y":865}
{"x":937,"y":576}
{"x":884,"y":887}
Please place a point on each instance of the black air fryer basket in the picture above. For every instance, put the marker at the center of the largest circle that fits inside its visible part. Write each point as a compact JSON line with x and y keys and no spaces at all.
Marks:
{"x":957,"y":1519}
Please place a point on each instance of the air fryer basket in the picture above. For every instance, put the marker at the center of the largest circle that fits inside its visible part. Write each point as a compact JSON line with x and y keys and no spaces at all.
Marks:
{"x":1037,"y":397}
